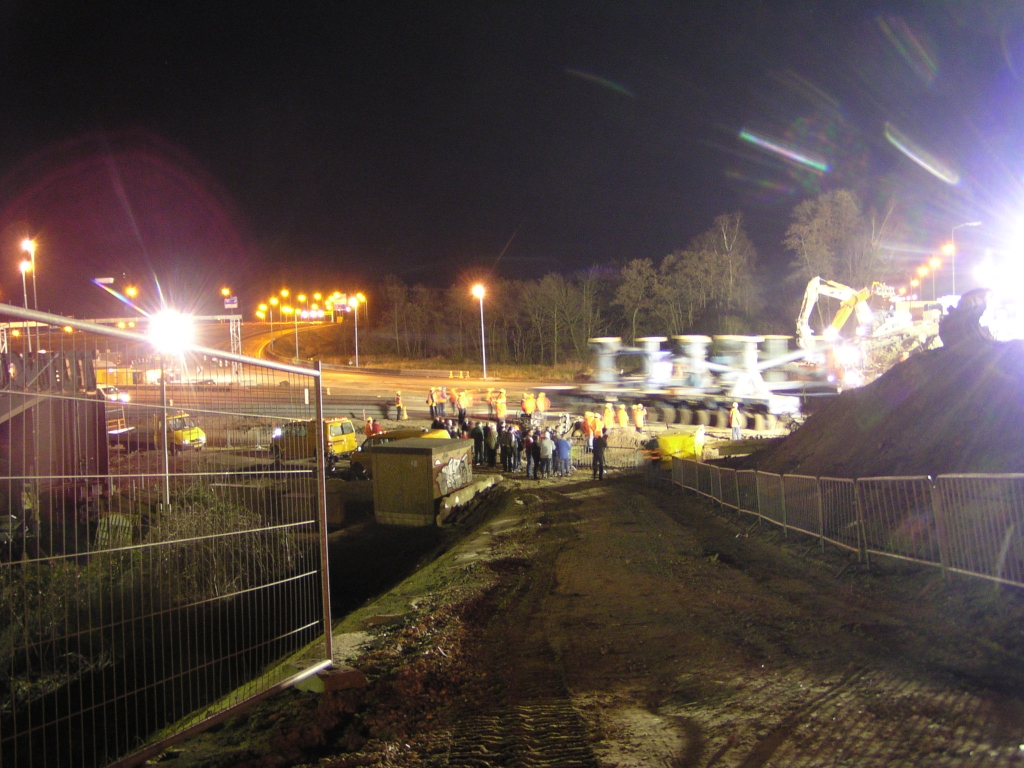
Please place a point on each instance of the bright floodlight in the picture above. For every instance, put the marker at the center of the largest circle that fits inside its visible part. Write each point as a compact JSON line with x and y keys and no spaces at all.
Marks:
{"x":478,"y":291}
{"x":25,"y":266}
{"x":922,"y":271}
{"x":934,"y":263}
{"x":948,"y":249}
{"x":171,"y":332}
{"x":28,"y":245}
{"x":225,"y":292}
{"x":131,"y":291}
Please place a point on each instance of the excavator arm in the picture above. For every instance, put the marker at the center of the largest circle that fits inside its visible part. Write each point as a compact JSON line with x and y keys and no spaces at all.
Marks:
{"x":851,"y":301}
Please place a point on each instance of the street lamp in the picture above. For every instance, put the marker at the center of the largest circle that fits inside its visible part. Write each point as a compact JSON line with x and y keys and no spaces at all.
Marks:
{"x":295,"y":314}
{"x":952,"y":248}
{"x":354,"y":303}
{"x":26,"y":266}
{"x":478,"y":292}
{"x":131,"y":292}
{"x":28,"y":245}
{"x":273,"y":303}
{"x":934,"y":263}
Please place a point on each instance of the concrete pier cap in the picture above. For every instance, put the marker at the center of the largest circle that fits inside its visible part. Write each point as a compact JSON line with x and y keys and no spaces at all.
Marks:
{"x":605,"y":348}
{"x":745,"y":345}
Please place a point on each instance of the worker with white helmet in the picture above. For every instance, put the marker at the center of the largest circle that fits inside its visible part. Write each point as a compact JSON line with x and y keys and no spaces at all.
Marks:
{"x":735,"y":419}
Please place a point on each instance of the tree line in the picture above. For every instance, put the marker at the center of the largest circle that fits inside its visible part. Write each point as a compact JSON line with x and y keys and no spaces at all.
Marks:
{"x":711,"y":286}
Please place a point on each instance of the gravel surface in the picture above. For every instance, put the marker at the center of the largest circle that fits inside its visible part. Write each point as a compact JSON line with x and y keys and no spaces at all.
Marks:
{"x":626,"y":623}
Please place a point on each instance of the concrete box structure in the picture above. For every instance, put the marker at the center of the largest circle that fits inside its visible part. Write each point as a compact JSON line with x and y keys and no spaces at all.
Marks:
{"x":410,"y":475}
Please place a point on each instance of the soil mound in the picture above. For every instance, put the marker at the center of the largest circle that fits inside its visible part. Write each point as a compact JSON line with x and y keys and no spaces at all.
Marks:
{"x":954,"y":409}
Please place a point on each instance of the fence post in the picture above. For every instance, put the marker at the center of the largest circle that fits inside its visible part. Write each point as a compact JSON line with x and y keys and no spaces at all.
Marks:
{"x":757,"y":499}
{"x":938,"y":512}
{"x":321,"y":498}
{"x":162,"y":431}
{"x":821,"y":514}
{"x":862,"y":537}
{"x":785,"y":522}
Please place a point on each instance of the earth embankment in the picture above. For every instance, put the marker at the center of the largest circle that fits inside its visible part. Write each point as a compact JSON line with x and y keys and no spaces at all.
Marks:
{"x":944,"y":411}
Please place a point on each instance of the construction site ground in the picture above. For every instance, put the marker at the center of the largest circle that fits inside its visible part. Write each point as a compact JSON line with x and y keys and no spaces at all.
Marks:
{"x":574,"y":622}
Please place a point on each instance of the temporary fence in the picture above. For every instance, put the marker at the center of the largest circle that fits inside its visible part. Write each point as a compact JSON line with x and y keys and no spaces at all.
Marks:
{"x":625,"y":458}
{"x":969,"y":524}
{"x":157,"y":563}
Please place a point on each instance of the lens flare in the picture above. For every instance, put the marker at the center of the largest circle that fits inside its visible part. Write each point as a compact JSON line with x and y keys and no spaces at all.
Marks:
{"x":610,"y":84}
{"x":911,"y":49}
{"x":782,"y":150}
{"x":921,"y":156}
{"x":171,"y":332}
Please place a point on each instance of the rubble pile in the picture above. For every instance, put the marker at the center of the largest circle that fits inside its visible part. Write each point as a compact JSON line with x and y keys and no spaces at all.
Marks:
{"x":959,"y":408}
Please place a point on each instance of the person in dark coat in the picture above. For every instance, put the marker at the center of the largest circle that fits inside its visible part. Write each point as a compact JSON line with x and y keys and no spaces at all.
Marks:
{"x":600,"y":446}
{"x":477,"y":433}
{"x":491,"y":441}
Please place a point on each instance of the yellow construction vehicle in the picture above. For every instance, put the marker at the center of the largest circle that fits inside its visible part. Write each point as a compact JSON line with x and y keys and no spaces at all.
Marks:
{"x":888,"y":329}
{"x":178,"y":431}
{"x":297,"y":439}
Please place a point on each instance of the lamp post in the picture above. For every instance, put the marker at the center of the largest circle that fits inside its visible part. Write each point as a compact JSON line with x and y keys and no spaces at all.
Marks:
{"x":354,"y":303}
{"x":28,"y":245}
{"x":288,"y":310}
{"x":26,"y":266}
{"x":952,"y":249}
{"x":934,"y":263}
{"x":478,"y":292}
{"x":273,"y":303}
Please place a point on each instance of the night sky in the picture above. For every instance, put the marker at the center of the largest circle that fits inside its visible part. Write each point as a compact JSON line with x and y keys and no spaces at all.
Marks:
{"x":323,"y":145}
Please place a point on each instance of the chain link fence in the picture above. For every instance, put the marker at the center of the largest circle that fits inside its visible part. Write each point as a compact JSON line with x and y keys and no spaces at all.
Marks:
{"x":969,"y":524}
{"x":157,"y":565}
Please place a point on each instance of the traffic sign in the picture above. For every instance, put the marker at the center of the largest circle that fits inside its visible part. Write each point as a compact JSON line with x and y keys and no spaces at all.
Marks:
{"x":231,"y":302}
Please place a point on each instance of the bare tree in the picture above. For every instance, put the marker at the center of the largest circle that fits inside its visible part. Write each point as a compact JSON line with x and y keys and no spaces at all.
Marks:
{"x":636,"y":293}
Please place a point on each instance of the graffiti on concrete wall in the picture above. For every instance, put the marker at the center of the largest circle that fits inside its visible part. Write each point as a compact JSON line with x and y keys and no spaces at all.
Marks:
{"x":457,"y":473}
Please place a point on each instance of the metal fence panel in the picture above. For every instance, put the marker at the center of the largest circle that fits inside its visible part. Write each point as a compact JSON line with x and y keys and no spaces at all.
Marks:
{"x":688,"y":469}
{"x":746,"y":491}
{"x":730,"y":493}
{"x":982,"y":519}
{"x":771,"y":497}
{"x":156,"y":561}
{"x":704,"y":479}
{"x":840,"y":524}
{"x":677,"y":471}
{"x":898,"y":517}
{"x":803,"y":503}
{"x":716,"y":482}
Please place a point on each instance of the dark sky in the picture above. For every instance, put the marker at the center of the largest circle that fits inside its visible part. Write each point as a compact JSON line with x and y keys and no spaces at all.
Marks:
{"x":322,"y":145}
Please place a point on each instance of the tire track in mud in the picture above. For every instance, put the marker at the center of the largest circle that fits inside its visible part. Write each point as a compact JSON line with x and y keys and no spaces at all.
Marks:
{"x":518,"y":712}
{"x":766,"y":747}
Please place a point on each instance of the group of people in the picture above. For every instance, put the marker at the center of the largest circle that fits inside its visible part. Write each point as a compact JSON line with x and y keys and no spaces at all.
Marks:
{"x":595,"y":424}
{"x":441,"y":402}
{"x":539,"y":452}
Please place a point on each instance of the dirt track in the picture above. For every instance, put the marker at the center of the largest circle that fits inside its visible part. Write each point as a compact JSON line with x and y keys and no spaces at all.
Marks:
{"x":620,"y":624}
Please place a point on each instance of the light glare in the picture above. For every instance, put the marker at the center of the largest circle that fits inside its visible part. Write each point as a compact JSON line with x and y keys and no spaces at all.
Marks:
{"x":171,"y":332}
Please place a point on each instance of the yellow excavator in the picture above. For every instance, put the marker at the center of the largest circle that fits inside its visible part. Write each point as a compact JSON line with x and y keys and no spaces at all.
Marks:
{"x":885,"y":334}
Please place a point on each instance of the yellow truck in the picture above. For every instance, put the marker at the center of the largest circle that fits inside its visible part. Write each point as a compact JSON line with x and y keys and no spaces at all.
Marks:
{"x":179,"y":430}
{"x":297,"y":440}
